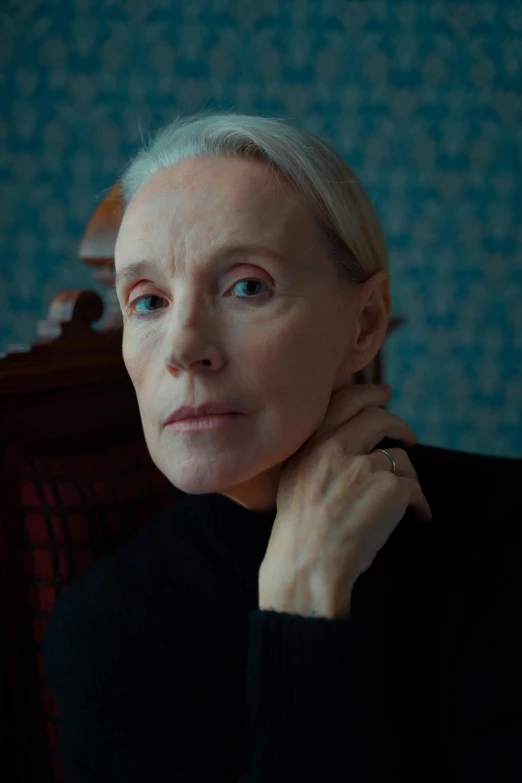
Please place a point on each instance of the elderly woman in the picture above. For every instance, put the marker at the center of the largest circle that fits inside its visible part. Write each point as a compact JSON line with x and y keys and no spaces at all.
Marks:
{"x":316,"y":606}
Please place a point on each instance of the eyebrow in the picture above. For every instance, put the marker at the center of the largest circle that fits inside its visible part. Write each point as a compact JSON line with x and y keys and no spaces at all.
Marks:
{"x":142,"y":267}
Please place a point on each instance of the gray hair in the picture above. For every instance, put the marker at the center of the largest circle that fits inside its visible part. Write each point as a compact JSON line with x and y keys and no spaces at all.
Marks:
{"x":354,"y":238}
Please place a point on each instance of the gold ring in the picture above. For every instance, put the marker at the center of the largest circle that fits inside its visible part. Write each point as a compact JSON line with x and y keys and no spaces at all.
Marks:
{"x":390,"y":456}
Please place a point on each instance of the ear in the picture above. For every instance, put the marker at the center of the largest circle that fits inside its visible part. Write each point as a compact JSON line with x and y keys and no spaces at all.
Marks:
{"x":373,"y":308}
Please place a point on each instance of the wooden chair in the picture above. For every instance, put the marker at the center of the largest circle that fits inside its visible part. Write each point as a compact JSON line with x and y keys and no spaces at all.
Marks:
{"x":76,"y":480}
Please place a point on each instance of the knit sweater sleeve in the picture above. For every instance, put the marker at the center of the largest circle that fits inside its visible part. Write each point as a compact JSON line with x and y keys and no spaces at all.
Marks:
{"x":317,"y":699}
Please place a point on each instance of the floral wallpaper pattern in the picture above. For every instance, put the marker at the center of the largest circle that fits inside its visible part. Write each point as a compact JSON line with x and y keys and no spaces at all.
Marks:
{"x":422,"y":98}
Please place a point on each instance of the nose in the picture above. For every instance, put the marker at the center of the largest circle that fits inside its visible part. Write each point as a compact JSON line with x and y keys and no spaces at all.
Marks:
{"x":193,"y":353}
{"x":193,"y":337}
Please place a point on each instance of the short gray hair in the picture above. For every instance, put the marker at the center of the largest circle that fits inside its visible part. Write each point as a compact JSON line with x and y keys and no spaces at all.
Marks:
{"x":354,"y":238}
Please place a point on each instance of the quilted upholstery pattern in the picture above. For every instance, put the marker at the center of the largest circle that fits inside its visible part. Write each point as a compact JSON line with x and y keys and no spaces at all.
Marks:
{"x":75,"y":509}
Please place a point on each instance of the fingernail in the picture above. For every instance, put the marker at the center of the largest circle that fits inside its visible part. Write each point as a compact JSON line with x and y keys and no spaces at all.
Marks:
{"x":386,"y":388}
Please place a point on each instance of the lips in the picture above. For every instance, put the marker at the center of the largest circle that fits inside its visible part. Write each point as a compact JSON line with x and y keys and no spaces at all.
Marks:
{"x":205,"y":409}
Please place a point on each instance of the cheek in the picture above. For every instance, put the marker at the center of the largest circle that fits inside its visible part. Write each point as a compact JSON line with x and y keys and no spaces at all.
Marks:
{"x":299,"y":371}
{"x":302,"y":359}
{"x":136,"y":359}
{"x":296,"y":386}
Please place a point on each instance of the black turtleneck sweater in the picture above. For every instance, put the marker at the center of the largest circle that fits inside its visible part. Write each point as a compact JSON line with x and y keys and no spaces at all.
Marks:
{"x":166,"y":671}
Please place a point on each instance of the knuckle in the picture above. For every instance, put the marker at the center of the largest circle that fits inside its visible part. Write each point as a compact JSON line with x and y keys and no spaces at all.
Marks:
{"x":373,"y":412}
{"x":360,"y":466}
{"x":364,"y":475}
{"x":364,"y":464}
{"x":387,"y":483}
{"x":411,"y":469}
{"x":335,"y":445}
{"x":402,"y":458}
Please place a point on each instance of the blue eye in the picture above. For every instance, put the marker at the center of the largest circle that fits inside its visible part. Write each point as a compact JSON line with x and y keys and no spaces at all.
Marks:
{"x":249,"y":280}
{"x":149,"y":314}
{"x":140,"y":299}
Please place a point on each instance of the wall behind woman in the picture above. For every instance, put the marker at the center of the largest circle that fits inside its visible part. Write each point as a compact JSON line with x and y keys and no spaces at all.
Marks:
{"x":423,"y":99}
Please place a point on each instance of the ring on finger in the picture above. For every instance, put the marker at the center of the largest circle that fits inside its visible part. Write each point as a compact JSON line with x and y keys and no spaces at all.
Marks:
{"x":394,"y":466}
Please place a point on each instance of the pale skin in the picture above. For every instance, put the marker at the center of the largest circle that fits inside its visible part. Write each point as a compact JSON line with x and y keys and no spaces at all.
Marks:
{"x":281,"y":346}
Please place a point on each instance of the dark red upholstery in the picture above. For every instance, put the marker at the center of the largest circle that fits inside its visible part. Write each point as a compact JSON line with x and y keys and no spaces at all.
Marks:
{"x":74,"y":508}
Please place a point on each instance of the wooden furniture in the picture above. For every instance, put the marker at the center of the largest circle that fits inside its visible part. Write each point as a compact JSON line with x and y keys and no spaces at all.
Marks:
{"x":76,"y":479}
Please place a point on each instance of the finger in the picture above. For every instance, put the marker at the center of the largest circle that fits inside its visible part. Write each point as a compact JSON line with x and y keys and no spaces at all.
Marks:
{"x":374,"y":424}
{"x":349,"y":401}
{"x":403,"y":466}
{"x":417,"y":499}
{"x":404,"y":470}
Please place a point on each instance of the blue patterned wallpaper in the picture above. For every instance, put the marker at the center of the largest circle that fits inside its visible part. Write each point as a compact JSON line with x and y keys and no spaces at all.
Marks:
{"x":422,"y":98}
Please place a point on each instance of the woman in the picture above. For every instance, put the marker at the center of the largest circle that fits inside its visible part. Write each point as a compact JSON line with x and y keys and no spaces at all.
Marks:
{"x":317,"y":606}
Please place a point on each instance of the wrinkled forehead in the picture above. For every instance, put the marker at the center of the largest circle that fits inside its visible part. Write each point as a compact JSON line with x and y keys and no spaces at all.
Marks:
{"x":217,"y":196}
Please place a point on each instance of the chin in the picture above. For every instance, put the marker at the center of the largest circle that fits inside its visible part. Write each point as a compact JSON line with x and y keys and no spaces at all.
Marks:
{"x":241,"y":472}
{"x":197,"y":477}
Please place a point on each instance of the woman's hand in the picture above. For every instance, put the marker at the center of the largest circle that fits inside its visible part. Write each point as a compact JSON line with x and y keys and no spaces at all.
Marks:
{"x":337,"y":505}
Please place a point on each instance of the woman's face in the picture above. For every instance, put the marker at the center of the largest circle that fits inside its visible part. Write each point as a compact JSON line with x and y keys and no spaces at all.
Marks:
{"x":195,"y":330}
